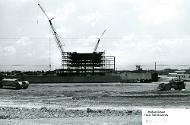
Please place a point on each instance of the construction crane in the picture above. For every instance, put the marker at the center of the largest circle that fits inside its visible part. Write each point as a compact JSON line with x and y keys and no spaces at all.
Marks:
{"x":60,"y":46}
{"x":95,"y":48}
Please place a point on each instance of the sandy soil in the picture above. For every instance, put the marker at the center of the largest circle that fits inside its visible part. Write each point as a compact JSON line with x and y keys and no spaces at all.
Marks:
{"x":85,"y":103}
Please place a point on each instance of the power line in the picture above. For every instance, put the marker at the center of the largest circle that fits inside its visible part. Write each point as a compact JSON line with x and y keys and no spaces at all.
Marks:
{"x":22,"y":65}
{"x":126,"y":65}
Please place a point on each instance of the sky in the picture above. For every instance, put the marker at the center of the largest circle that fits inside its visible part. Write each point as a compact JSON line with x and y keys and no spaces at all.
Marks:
{"x":138,"y":32}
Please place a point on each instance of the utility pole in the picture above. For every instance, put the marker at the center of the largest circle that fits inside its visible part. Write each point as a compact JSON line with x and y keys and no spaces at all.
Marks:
{"x":155,"y":67}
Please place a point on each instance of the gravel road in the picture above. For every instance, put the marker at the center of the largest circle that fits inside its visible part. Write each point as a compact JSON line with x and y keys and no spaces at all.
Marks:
{"x":85,"y":103}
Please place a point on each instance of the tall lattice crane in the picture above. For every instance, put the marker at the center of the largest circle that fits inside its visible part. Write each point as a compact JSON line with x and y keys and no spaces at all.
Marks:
{"x":59,"y":44}
{"x":99,"y":38}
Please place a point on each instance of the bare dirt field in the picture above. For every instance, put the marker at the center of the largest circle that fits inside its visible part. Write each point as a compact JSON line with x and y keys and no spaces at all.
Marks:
{"x":86,"y":103}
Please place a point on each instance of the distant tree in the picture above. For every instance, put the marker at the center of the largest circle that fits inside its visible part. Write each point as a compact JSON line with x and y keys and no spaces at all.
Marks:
{"x":1,"y":76}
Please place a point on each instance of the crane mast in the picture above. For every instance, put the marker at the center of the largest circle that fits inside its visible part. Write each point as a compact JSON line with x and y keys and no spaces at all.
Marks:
{"x":59,"y":44}
{"x":95,"y":48}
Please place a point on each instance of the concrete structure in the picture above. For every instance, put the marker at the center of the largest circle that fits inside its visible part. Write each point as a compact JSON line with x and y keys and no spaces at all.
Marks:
{"x":86,"y":63}
{"x":136,"y":76}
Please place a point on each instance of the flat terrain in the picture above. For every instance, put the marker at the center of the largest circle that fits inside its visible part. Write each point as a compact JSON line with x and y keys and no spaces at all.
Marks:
{"x":86,"y":103}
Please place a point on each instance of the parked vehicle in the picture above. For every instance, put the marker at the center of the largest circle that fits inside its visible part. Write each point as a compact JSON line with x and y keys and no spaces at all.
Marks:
{"x":14,"y":83}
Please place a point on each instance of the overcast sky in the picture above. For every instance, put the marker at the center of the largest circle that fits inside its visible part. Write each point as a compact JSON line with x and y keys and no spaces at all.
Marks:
{"x":139,"y":31}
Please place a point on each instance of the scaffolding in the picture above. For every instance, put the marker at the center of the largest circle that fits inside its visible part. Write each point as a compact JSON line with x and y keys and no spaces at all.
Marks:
{"x":87,"y":63}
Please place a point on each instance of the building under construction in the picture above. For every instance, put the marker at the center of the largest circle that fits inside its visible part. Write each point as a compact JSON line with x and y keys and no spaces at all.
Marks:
{"x":87,"y":63}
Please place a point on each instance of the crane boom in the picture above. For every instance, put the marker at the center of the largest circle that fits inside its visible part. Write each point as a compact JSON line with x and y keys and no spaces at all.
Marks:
{"x":95,"y":48}
{"x":59,"y":44}
{"x":43,"y":11}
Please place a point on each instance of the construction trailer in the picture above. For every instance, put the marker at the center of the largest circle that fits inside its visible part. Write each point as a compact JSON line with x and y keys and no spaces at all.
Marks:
{"x":87,"y":63}
{"x":138,"y":76}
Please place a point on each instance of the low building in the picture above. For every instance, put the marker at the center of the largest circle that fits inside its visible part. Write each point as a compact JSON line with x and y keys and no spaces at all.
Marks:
{"x":136,"y":76}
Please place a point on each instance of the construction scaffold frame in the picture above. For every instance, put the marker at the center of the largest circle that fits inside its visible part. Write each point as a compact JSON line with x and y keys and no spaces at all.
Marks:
{"x":87,"y":63}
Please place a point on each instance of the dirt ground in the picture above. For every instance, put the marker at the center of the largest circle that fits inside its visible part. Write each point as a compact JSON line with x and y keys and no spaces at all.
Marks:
{"x":86,"y":103}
